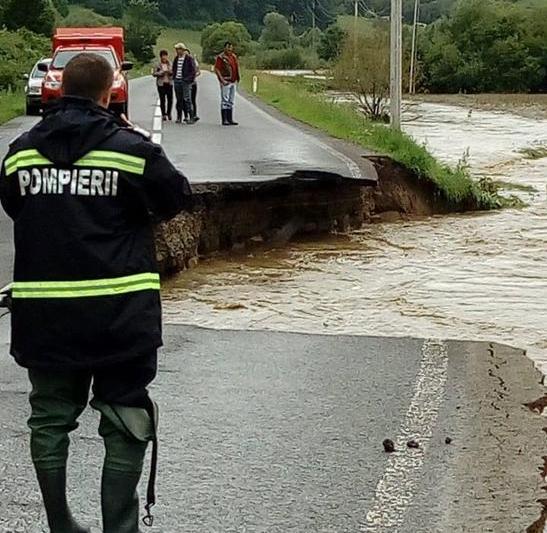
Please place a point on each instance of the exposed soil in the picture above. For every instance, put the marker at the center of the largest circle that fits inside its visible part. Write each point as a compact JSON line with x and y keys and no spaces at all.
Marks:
{"x":236,"y":216}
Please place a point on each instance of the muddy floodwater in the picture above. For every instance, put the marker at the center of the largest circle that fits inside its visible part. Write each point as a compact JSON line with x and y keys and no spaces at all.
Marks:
{"x":480,"y":276}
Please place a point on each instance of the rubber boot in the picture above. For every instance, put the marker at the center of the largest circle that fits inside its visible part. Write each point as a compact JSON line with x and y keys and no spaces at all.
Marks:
{"x":53,"y":486}
{"x":230,"y":117}
{"x":120,"y":501}
{"x":225,"y":121}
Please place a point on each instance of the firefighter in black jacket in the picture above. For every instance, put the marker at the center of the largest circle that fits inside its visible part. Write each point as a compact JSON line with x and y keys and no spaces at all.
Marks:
{"x":84,"y":191}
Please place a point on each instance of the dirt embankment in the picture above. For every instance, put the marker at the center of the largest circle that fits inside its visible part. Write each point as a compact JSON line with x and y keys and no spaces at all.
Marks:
{"x":234,"y":216}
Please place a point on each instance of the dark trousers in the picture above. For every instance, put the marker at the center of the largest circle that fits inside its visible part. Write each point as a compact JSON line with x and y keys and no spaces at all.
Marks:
{"x":59,"y":397}
{"x":195,"y":98}
{"x":166,"y":99}
{"x":183,"y":92}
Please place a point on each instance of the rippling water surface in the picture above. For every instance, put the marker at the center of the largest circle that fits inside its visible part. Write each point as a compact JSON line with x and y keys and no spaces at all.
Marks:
{"x":465,"y":276}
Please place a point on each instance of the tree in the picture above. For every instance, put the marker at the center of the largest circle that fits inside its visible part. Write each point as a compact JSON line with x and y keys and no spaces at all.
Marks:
{"x":332,"y":43}
{"x":141,"y":29}
{"x":61,"y":6}
{"x":364,"y":70}
{"x":277,"y":32}
{"x":311,"y":38}
{"x":36,"y":15}
{"x":19,"y":50}
{"x":486,"y":46}
{"x":214,"y":36}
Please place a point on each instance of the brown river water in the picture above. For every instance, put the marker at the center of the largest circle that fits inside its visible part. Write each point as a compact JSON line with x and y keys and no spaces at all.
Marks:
{"x":480,"y":277}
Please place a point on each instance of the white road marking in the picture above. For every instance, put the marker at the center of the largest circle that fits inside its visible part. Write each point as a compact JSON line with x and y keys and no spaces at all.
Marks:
{"x":157,"y":123}
{"x":157,"y":135}
{"x":396,"y":489}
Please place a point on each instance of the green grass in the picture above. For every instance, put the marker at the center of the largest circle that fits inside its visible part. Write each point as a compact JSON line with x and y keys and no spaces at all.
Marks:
{"x":12,"y":104}
{"x":171,"y":36}
{"x":534,"y":152}
{"x":166,"y":41}
{"x":511,"y":186}
{"x":344,"y":122}
{"x":79,"y":16}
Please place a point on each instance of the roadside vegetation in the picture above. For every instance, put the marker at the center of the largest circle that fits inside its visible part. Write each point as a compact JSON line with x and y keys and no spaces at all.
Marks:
{"x":294,"y":98}
{"x":12,"y":105}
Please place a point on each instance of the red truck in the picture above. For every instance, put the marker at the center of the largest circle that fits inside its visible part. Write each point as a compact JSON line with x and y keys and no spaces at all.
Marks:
{"x":69,"y":42}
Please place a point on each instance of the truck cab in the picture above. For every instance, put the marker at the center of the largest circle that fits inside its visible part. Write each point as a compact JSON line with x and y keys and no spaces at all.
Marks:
{"x":106,"y":42}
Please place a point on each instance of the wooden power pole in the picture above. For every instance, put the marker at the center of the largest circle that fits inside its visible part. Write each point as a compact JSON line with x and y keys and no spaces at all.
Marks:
{"x":412,"y":82}
{"x":355,"y":28}
{"x":396,"y":77}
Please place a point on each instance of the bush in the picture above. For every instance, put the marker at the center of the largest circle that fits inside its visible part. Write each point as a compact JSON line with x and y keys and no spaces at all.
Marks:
{"x":18,"y":52}
{"x":289,"y":58}
{"x":332,"y":43}
{"x":215,"y":35}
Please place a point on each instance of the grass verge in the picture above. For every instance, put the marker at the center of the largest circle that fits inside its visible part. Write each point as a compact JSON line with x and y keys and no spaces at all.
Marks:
{"x":171,"y":36}
{"x":12,"y":104}
{"x":293,"y":98}
{"x":535,"y":152}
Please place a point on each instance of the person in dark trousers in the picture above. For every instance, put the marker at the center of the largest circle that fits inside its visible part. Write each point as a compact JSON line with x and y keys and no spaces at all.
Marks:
{"x":84,"y":191}
{"x":163,"y":72}
{"x":184,"y":75}
{"x":195,"y":87}
{"x":228,"y":74}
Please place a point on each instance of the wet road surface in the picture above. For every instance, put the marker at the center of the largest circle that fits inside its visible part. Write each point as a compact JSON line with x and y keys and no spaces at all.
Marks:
{"x":273,"y":432}
{"x":262,"y":148}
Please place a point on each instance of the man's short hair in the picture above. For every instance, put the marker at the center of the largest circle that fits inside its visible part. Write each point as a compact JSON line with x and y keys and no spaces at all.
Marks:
{"x":87,"y":75}
{"x":228,"y":43}
{"x":164,"y":53}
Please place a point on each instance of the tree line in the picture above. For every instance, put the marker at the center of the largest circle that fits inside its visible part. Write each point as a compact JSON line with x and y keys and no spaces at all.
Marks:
{"x":300,"y":13}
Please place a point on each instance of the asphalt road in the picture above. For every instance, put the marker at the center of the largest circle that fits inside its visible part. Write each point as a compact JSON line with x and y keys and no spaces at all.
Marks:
{"x":263,"y":147}
{"x":271,"y":432}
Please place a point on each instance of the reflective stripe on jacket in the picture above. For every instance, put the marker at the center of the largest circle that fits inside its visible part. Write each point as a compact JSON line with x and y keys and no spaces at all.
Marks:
{"x":84,"y":192}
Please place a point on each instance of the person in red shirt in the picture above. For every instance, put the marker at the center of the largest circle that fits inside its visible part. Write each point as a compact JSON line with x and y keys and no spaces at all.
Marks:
{"x":227,"y":71}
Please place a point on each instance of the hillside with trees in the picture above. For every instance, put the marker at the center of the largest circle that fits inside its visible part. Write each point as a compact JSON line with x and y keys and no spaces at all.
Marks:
{"x":300,"y":13}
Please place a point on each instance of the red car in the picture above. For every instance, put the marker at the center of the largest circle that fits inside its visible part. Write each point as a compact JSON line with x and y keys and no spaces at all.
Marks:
{"x":69,"y":42}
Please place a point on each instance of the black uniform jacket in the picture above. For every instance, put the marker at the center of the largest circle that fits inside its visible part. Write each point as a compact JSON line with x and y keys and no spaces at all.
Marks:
{"x":84,"y":192}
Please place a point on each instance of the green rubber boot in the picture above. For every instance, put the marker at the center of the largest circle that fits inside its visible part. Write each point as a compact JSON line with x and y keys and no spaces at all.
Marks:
{"x":53,"y":486}
{"x":120,"y":501}
{"x":126,"y":432}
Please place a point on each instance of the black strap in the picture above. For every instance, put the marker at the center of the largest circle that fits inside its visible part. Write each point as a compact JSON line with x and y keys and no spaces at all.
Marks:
{"x":148,"y":520}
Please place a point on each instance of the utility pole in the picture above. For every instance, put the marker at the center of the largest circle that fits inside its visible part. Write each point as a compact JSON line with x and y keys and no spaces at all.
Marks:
{"x":313,"y":23}
{"x":355,"y":27}
{"x":412,"y":82}
{"x":396,"y":80}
